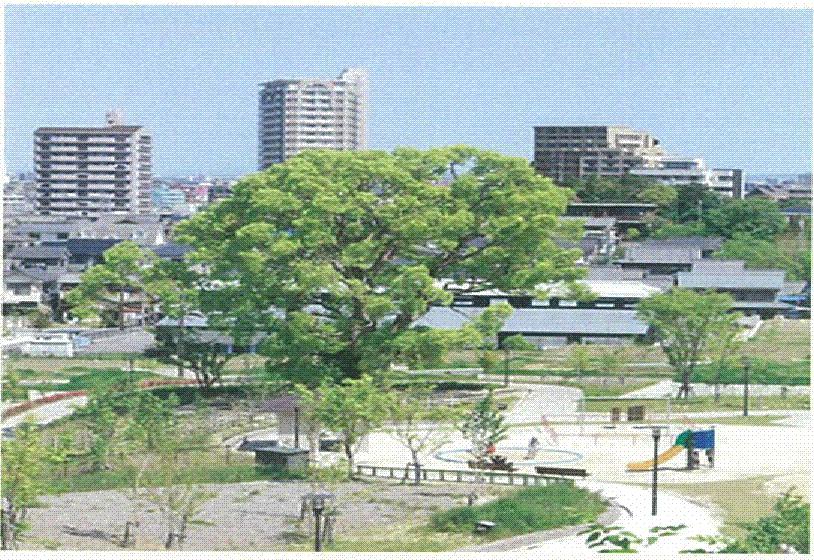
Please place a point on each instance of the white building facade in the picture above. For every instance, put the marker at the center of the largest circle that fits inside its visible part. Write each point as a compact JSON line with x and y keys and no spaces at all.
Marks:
{"x":93,"y":171}
{"x":675,"y":170}
{"x":301,"y":114}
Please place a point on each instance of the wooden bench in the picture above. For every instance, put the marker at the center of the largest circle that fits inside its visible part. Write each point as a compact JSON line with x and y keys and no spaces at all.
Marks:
{"x":561,"y":471}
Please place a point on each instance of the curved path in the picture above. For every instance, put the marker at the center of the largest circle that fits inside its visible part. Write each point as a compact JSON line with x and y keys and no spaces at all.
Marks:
{"x":47,"y":413}
{"x":539,"y":400}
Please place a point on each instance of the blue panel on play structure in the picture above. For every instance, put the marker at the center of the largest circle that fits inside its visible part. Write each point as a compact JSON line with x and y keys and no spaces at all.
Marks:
{"x":703,"y":440}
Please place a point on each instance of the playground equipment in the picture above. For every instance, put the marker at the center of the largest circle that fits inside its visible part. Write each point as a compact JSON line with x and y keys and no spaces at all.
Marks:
{"x":687,"y":440}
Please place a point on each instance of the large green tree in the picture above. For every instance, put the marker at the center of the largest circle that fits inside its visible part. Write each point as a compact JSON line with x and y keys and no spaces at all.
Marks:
{"x":685,"y":322}
{"x":335,"y":254}
{"x":105,"y":289}
{"x":691,"y":203}
{"x":758,"y":217}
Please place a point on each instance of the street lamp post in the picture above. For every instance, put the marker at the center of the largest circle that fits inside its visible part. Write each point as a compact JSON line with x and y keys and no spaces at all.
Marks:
{"x":319,"y":506}
{"x":656,"y":437}
{"x":656,"y":433}
{"x":746,"y":365}
{"x":318,"y":500}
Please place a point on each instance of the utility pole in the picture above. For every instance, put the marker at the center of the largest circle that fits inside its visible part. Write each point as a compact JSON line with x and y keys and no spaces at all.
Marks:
{"x":746,"y":365}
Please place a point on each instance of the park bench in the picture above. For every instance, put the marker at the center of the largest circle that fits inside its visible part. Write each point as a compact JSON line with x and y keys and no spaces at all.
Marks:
{"x":561,"y":471}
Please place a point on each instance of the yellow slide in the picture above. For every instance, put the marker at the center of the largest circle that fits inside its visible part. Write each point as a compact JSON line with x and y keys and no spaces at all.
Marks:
{"x":666,"y":456}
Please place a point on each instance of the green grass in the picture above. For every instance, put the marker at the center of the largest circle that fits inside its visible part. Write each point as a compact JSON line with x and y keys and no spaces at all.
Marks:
{"x":761,"y":372}
{"x":781,"y":340}
{"x":525,"y":511}
{"x":707,"y":404}
{"x":92,"y":379}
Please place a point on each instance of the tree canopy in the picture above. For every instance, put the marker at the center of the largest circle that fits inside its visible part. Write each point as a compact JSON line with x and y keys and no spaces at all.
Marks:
{"x":335,"y":254}
{"x":758,"y":217}
{"x":104,"y":288}
{"x":686,"y":321}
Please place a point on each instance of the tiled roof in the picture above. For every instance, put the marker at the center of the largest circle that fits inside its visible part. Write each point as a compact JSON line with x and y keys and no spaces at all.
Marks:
{"x":561,"y":321}
{"x":759,"y":280}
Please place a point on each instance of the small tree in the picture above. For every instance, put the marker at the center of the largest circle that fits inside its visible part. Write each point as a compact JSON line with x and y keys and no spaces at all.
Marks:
{"x":201,"y":351}
{"x":685,"y":321}
{"x":723,"y":349}
{"x":419,"y":425}
{"x":59,"y":454}
{"x":511,"y":344}
{"x":104,"y":288}
{"x":102,"y":425}
{"x":483,"y":427}
{"x":353,"y":409}
{"x":579,"y":359}
{"x":181,"y":505}
{"x":23,"y":458}
{"x":609,"y":362}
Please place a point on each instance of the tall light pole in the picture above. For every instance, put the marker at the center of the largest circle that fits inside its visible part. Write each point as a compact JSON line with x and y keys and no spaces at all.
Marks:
{"x":656,"y":433}
{"x":747,"y":363}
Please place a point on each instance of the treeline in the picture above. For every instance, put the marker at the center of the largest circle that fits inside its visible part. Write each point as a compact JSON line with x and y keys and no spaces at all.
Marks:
{"x":754,"y":229}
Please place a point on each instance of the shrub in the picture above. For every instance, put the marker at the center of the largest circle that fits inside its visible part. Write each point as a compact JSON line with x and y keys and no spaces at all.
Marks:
{"x":525,"y":511}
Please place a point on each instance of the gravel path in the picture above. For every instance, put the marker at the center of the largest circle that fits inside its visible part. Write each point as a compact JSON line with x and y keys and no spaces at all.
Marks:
{"x":246,"y":516}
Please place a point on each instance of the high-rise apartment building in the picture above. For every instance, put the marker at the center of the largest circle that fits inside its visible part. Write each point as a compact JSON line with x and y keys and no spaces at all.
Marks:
{"x":576,"y":151}
{"x":93,"y":171}
{"x":301,"y":114}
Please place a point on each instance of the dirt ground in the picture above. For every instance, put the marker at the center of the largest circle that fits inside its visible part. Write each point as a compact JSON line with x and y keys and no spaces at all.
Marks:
{"x":246,"y":516}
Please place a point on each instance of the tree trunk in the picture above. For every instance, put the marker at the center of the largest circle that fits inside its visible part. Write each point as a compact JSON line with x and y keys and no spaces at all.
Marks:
{"x":121,"y":309}
{"x":180,"y":344}
{"x":417,"y":466}
{"x":349,"y":455}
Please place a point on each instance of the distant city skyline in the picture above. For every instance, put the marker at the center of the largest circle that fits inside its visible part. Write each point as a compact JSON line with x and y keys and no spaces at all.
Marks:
{"x":730,"y":86}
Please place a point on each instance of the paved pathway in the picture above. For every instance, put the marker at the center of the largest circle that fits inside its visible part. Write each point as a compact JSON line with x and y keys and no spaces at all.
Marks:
{"x":47,"y":413}
{"x":539,"y":400}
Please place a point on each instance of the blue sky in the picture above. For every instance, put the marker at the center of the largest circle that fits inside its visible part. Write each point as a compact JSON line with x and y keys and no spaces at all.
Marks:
{"x":732,"y":86}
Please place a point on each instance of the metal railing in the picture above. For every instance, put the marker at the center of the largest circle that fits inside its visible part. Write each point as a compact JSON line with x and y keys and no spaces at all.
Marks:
{"x":467,"y":476}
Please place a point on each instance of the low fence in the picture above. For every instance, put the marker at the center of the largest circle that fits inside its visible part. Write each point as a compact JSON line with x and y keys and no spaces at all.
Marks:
{"x":467,"y":476}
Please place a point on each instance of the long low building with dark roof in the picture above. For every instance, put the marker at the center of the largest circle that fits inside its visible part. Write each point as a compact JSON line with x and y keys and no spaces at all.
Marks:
{"x":755,"y":291}
{"x":547,"y":327}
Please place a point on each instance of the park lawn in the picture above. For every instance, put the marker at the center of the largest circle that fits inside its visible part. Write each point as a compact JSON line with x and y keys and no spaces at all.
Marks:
{"x":524,"y":511}
{"x":707,"y":404}
{"x":781,"y":340}
{"x":84,"y":379}
{"x":739,"y":501}
{"x":761,"y":372}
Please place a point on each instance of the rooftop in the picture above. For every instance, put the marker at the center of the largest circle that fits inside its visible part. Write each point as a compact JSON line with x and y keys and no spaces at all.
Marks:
{"x":560,"y":321}
{"x":757,"y":280}
{"x":39,"y":252}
